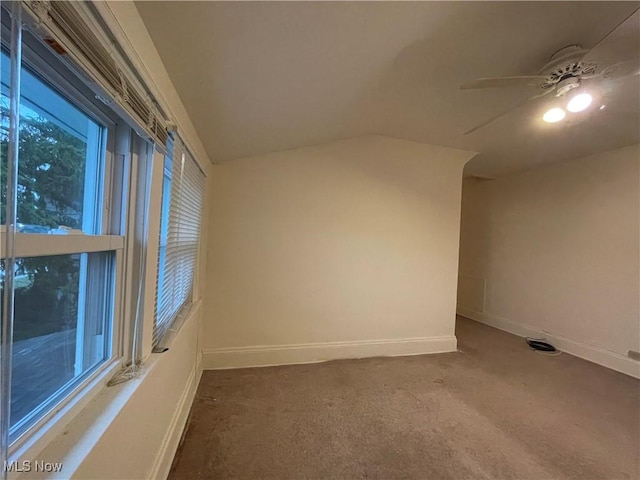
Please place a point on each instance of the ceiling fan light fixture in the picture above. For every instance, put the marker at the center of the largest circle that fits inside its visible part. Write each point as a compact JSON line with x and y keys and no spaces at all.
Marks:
{"x":579,"y":102}
{"x":554,"y":115}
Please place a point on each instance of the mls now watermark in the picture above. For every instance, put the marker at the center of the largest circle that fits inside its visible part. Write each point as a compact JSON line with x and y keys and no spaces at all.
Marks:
{"x":29,"y":466}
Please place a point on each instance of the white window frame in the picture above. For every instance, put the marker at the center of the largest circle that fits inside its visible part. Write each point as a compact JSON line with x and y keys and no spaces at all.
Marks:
{"x":120,"y":215}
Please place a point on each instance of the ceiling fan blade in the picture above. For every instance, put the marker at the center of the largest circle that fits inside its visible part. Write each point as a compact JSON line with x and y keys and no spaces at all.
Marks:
{"x":500,"y":82}
{"x":622,"y":70}
{"x":622,"y":44}
{"x":494,"y":118}
{"x":505,"y":112}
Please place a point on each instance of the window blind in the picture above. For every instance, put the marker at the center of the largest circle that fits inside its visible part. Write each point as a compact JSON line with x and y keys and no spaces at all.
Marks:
{"x":179,"y":247}
{"x":74,"y":32}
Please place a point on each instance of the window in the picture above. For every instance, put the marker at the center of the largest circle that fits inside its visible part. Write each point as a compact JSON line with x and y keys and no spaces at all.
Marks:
{"x":61,"y":154}
{"x":65,"y":262}
{"x":89,"y":131}
{"x":182,"y":198}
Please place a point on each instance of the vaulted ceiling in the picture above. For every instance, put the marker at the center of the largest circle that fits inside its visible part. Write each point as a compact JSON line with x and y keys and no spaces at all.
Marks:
{"x":258,"y":77}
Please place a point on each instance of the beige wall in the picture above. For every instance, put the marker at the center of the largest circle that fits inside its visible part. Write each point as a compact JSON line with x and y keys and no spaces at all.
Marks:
{"x":346,"y":249}
{"x":556,"y":250}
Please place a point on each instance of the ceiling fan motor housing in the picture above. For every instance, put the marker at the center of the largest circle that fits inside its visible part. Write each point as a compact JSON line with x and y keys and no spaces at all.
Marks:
{"x":566,"y":64}
{"x":612,"y":58}
{"x":566,"y":85}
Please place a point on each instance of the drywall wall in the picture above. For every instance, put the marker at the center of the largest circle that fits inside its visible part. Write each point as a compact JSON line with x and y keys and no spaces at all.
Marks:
{"x":348,"y":249}
{"x":557,"y":250}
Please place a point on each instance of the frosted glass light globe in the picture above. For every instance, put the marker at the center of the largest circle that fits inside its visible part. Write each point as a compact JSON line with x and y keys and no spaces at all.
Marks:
{"x":579,"y":102}
{"x":554,"y":115}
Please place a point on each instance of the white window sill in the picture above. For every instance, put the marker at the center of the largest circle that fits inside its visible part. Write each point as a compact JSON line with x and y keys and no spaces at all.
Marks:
{"x":71,"y":434}
{"x":70,"y":439}
{"x":33,"y":442}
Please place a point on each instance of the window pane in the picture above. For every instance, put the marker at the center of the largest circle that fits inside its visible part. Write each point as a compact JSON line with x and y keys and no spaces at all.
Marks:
{"x":60,"y":156}
{"x":62,"y":329}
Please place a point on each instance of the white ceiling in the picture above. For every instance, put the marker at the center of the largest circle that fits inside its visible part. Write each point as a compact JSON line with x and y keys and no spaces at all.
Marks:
{"x":258,"y":77}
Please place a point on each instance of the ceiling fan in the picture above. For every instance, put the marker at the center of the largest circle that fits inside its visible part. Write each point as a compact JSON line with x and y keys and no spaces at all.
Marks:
{"x":614,"y":57}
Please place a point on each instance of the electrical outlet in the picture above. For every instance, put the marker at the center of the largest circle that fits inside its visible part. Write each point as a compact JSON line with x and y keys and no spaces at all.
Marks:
{"x":634,"y":355}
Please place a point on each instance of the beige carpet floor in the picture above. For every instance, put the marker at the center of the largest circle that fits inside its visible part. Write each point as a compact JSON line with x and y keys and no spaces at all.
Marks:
{"x":495,"y":409}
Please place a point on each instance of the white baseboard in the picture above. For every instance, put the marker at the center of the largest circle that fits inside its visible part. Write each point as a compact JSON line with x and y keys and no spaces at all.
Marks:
{"x":591,"y":353}
{"x":500,"y":323}
{"x":162,"y":463}
{"x":263,"y":356}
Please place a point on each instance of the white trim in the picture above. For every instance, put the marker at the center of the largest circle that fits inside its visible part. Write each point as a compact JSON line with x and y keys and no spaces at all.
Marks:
{"x":199,"y":357}
{"x":171,"y":441}
{"x":591,"y":353}
{"x":267,"y":355}
{"x":75,"y":445}
{"x":38,"y":437}
{"x":72,"y":446}
{"x":156,"y":165}
{"x":500,"y":323}
{"x":38,"y":245}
